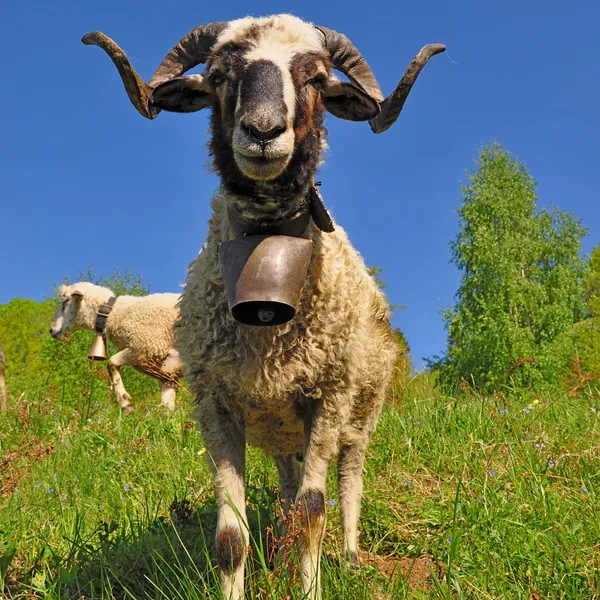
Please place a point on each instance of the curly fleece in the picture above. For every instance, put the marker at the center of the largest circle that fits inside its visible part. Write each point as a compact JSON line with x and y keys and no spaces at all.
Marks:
{"x":339,"y":347}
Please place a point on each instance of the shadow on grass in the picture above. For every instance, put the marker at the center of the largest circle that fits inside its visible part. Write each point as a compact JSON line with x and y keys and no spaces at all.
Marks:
{"x":171,"y":557}
{"x":164,"y":557}
{"x":156,"y":556}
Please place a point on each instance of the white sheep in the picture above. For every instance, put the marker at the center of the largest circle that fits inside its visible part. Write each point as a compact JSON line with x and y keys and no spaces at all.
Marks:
{"x":315,"y":384}
{"x":140,"y":327}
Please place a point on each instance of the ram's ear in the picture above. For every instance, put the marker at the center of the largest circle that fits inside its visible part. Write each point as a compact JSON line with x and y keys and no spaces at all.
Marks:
{"x":184,"y":94}
{"x":346,"y":100}
{"x":77,"y":293}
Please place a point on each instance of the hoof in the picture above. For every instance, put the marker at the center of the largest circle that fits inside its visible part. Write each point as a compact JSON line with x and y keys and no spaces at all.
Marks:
{"x":352,"y":561}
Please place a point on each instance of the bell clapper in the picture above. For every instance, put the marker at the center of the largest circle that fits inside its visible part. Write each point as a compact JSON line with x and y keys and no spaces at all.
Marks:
{"x":266,"y":315}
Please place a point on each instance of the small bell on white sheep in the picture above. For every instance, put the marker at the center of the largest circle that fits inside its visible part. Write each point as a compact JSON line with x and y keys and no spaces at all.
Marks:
{"x":98,"y":349}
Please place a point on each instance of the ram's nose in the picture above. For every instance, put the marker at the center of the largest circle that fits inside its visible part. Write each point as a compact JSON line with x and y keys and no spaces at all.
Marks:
{"x":263,"y":132}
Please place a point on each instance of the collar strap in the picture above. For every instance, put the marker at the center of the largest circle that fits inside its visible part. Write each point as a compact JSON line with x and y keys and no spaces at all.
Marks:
{"x":102,"y":314}
{"x":294,"y":226}
{"x":318,"y":211}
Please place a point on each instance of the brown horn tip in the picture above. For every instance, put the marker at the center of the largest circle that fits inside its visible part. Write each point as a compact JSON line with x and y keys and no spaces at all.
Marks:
{"x":137,"y":89}
{"x":393,"y":104}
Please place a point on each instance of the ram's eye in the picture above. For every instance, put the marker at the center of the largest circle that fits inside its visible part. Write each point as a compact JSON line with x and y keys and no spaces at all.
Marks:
{"x":317,"y":81}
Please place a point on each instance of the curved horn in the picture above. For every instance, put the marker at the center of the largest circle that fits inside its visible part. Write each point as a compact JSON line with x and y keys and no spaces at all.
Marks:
{"x":137,"y":90}
{"x":346,"y":58}
{"x":190,"y":51}
{"x":193,"y":49}
{"x":392,"y":105}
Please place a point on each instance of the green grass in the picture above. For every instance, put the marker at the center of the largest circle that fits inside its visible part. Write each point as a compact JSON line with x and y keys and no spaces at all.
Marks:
{"x":471,"y":497}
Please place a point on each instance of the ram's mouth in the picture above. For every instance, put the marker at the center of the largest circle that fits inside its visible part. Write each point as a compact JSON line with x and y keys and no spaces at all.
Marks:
{"x":261,"y":167}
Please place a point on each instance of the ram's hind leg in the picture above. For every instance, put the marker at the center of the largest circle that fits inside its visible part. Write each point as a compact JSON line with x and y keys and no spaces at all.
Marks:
{"x":289,"y":479}
{"x":350,"y":487}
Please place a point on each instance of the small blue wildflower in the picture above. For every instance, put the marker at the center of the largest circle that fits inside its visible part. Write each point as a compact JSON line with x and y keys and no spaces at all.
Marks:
{"x":190,"y":490}
{"x":493,"y":473}
{"x":407,"y":482}
{"x":425,"y":562}
{"x":449,"y":540}
{"x":50,"y":491}
{"x":259,"y":490}
{"x":122,"y":500}
{"x":460,"y":518}
{"x":504,"y":411}
{"x":126,"y":487}
{"x":550,"y":463}
{"x":331,"y":502}
{"x":584,"y":489}
{"x":480,"y":499}
{"x":526,"y":410}
{"x":38,"y":485}
{"x":374,"y":453}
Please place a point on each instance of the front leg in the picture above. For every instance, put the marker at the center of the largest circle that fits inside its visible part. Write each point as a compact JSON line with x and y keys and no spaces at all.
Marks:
{"x":321,"y":441}
{"x":225,"y":446}
{"x":118,"y":360}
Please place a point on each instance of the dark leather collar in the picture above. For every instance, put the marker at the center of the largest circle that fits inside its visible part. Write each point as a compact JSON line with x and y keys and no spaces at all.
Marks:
{"x":294,"y":226}
{"x":102,"y":314}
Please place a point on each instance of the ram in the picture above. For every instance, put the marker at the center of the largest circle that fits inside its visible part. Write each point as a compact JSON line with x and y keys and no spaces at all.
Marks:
{"x":312,"y":379}
{"x":142,"y":328}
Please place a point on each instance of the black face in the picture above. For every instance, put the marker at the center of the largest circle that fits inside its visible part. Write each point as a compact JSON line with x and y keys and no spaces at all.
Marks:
{"x":268,"y":98}
{"x":266,"y":123}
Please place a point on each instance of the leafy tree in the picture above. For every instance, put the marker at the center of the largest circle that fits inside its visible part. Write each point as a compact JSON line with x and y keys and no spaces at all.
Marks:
{"x":521,"y":285}
{"x":24,"y":325}
{"x":591,"y":284}
{"x":586,"y":333}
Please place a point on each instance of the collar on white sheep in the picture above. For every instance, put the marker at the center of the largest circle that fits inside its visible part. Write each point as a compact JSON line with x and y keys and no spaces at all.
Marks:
{"x":98,"y":349}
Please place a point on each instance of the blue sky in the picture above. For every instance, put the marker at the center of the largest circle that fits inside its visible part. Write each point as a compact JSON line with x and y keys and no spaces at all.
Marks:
{"x":87,"y":181}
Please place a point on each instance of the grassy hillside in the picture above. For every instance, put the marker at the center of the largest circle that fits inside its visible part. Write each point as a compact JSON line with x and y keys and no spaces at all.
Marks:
{"x":466,"y":497}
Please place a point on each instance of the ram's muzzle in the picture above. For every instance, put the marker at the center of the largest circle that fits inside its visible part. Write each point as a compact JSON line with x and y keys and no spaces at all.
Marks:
{"x":263,"y":276}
